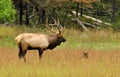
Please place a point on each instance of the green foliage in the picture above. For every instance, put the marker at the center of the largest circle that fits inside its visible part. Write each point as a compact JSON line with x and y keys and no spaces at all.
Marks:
{"x":7,"y":12}
{"x":116,"y":26}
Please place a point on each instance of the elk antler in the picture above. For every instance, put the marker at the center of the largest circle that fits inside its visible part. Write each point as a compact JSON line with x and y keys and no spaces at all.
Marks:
{"x":46,"y":25}
{"x":59,"y":26}
{"x":57,"y":23}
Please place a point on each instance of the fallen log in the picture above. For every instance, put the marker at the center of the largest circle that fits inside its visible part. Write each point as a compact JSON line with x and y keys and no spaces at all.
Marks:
{"x":94,"y":19}
{"x":86,"y":23}
{"x":79,"y":22}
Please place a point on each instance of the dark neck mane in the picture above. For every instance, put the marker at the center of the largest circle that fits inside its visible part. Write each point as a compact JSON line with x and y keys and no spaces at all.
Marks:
{"x":53,"y":42}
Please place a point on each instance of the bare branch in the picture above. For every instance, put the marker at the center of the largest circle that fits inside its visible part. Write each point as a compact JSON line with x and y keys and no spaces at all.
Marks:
{"x":77,"y":19}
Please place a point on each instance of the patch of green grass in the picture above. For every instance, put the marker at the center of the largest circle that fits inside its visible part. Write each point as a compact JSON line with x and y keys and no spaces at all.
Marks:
{"x":92,"y":44}
{"x":7,"y":41}
{"x":103,"y":39}
{"x":95,"y":39}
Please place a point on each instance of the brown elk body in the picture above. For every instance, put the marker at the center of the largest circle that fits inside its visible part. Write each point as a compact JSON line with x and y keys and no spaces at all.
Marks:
{"x":38,"y":41}
{"x":41,"y":42}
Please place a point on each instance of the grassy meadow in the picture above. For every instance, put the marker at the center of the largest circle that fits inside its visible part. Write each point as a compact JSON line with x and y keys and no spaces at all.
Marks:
{"x":67,"y":60}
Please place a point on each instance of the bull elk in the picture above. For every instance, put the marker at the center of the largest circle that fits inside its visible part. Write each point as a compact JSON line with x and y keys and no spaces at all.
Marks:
{"x":39,"y":41}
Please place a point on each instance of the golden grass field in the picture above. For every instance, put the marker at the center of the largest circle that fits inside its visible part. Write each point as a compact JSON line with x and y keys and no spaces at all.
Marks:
{"x":60,"y":63}
{"x":66,"y":60}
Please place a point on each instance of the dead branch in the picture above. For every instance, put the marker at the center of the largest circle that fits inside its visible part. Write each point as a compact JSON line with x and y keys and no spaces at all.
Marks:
{"x":79,"y":22}
{"x":86,"y":23}
{"x":94,"y":19}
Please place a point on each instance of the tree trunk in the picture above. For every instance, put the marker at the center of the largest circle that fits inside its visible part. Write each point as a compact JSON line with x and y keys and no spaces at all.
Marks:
{"x":21,"y":11}
{"x":113,"y":10}
{"x":27,"y":14}
{"x":41,"y":16}
{"x":77,"y":9}
{"x":65,"y":19}
{"x":81,"y":9}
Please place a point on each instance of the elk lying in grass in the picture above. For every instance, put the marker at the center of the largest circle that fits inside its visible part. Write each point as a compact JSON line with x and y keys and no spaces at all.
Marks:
{"x":38,"y":41}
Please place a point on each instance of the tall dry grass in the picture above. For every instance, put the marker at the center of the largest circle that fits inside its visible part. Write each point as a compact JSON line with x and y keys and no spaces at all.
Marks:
{"x":60,"y":63}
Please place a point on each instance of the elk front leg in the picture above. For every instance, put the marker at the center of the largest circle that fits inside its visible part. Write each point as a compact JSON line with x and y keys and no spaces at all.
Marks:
{"x":40,"y":52}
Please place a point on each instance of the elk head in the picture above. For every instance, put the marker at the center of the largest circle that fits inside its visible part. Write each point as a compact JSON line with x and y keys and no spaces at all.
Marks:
{"x":58,"y":34}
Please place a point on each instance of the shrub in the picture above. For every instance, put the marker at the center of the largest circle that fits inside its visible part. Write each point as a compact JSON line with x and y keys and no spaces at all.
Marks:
{"x":7,"y":12}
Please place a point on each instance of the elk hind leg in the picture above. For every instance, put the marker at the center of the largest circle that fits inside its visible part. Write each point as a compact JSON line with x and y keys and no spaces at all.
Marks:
{"x":20,"y":54}
{"x":24,"y":51}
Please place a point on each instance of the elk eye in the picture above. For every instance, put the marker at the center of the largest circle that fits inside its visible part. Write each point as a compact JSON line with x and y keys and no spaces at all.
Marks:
{"x":64,"y":40}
